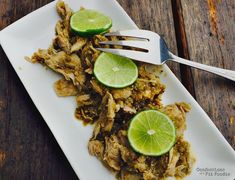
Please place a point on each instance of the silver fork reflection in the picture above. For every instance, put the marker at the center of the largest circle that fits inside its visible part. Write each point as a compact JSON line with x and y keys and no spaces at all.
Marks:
{"x":155,"y":51}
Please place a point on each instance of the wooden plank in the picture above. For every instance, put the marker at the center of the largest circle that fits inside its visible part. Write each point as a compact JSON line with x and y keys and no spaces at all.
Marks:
{"x":28,"y":149}
{"x":210,"y":32}
{"x":181,"y":39}
{"x":155,"y":16}
{"x":4,"y":120}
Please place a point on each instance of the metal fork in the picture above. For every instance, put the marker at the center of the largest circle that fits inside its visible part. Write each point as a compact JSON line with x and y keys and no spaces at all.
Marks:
{"x":155,"y":51}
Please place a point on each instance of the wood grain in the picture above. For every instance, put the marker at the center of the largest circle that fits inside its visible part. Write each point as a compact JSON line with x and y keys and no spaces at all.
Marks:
{"x":181,"y":39}
{"x":210,"y":32}
{"x":156,"y":16}
{"x":28,"y":149}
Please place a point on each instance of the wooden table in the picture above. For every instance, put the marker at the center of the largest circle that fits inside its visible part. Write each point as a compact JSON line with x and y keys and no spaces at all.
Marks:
{"x":202,"y":30}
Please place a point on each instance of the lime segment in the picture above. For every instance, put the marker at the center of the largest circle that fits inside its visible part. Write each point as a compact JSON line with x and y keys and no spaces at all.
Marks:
{"x":151,"y":133}
{"x":115,"y":71}
{"x":89,"y":22}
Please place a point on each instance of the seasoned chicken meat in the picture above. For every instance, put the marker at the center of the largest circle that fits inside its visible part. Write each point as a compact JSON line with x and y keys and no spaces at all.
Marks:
{"x":111,"y":110}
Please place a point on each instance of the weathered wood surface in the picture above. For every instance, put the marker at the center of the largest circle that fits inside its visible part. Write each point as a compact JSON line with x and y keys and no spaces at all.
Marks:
{"x":156,"y":16}
{"x":28,"y":150}
{"x":210,"y":32}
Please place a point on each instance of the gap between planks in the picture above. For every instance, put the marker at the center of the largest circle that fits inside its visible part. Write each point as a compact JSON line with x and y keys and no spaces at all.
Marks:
{"x":182,"y":46}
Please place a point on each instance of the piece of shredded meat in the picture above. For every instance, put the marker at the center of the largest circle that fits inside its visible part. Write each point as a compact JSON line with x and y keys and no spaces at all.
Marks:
{"x":111,"y":110}
{"x":96,"y":148}
{"x":112,"y":155}
{"x":106,"y":116}
{"x":65,"y":88}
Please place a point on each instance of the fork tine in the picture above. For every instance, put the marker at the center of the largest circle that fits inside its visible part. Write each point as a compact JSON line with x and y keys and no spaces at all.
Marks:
{"x":136,"y":55}
{"x":136,"y":44}
{"x":142,"y":34}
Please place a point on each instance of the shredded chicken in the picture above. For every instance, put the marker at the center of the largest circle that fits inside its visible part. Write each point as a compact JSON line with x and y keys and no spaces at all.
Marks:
{"x":78,"y":44}
{"x":141,"y":164}
{"x":111,"y":110}
{"x":84,"y":99}
{"x":96,"y":148}
{"x":121,"y":93}
{"x":177,"y":114}
{"x":65,"y":88}
{"x":112,"y":154}
{"x":127,"y":175}
{"x":97,"y":87}
{"x":107,"y":114}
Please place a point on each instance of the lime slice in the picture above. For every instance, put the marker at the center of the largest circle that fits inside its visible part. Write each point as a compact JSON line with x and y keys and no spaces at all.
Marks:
{"x":89,"y":22}
{"x":115,"y":71}
{"x":151,"y":133}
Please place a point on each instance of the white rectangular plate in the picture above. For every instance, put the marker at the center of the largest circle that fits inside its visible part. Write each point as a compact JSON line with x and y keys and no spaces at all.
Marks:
{"x":36,"y":30}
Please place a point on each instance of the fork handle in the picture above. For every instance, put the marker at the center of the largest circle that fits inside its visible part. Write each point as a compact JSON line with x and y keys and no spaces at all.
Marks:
{"x":229,"y":74}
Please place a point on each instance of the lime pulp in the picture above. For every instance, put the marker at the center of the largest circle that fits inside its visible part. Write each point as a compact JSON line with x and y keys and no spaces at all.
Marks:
{"x":115,"y":71}
{"x":89,"y":22}
{"x":151,"y":133}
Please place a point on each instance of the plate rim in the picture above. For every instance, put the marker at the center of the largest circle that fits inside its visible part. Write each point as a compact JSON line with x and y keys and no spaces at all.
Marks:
{"x":166,"y":68}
